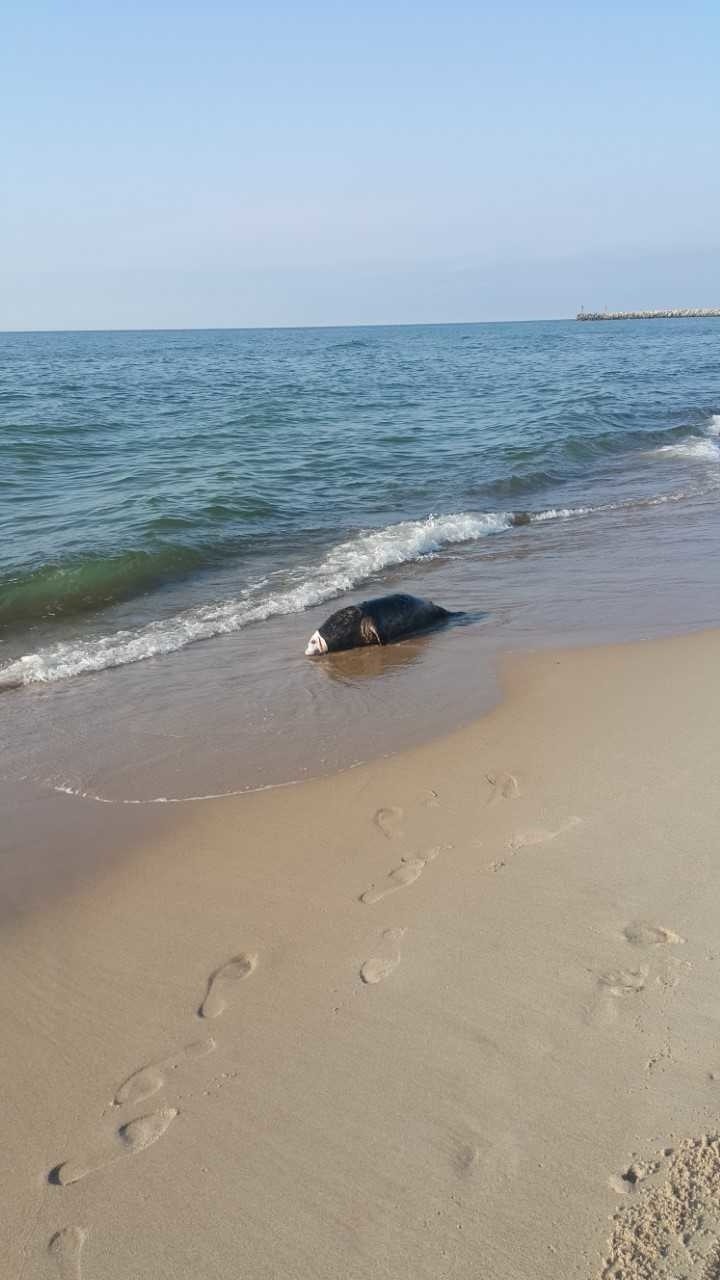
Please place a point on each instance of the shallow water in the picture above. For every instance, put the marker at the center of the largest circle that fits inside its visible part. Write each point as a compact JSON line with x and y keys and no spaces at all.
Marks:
{"x":181,"y":510}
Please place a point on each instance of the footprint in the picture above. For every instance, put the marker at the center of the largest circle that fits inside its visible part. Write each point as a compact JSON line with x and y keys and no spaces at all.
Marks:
{"x":148,"y":1080}
{"x":675,"y":970}
{"x":388,"y":820}
{"x":407,"y":873}
{"x":614,"y":985}
{"x":134,"y":1137}
{"x":663,"y":1054}
{"x":641,"y":934}
{"x":629,"y":1182}
{"x":65,"y":1248}
{"x":380,"y":967}
{"x":221,"y":982}
{"x":401,"y":876}
{"x":624,"y":982}
{"x":466,"y":1159}
{"x":504,"y":786}
{"x":526,"y":839}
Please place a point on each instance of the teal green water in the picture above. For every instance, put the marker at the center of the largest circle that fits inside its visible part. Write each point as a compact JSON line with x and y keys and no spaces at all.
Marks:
{"x":207,"y":481}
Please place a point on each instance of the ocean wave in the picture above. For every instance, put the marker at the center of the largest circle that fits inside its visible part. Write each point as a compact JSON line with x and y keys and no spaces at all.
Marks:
{"x":550,"y":463}
{"x":346,"y":566}
{"x":560,"y":513}
{"x":350,"y":344}
{"x":87,"y":583}
{"x":579,"y":449}
{"x":520,"y":482}
{"x":702,"y":448}
{"x":601,"y":508}
{"x":92,"y":583}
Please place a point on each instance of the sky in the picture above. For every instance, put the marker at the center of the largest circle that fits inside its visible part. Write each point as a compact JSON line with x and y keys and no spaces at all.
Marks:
{"x":243,"y":163}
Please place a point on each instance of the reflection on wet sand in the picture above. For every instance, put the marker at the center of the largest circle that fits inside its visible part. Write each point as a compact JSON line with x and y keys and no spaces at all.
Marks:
{"x":373,"y":661}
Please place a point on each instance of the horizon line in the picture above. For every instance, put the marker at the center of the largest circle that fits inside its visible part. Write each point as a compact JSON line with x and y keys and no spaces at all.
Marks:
{"x":249,"y":328}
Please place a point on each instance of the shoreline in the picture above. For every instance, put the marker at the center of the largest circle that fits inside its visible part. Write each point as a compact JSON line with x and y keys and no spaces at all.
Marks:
{"x":71,"y":822}
{"x":454,"y":996}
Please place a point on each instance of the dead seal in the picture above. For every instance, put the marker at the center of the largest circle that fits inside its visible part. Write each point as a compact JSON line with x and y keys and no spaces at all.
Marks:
{"x":378,"y":621}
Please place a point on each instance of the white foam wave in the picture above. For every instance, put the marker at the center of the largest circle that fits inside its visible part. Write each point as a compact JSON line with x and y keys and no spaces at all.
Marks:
{"x":566,"y":513}
{"x":703,"y":450}
{"x":561,"y":513}
{"x":77,"y":794}
{"x":346,"y":566}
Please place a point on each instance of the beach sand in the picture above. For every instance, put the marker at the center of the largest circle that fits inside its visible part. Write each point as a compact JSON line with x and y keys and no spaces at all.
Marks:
{"x":450,"y":1014}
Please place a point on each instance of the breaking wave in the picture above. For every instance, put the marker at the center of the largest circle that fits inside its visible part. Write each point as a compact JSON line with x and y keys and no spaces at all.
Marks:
{"x":92,"y":583}
{"x":346,"y":566}
{"x":704,"y":448}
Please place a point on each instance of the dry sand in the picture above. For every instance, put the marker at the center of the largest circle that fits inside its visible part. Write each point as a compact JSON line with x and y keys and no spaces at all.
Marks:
{"x":453,"y":1014}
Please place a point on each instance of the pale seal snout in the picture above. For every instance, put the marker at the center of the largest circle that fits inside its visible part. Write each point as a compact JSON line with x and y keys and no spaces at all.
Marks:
{"x":315,"y":645}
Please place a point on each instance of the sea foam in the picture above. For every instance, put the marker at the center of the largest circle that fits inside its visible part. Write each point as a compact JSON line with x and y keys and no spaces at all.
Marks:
{"x":702,"y":450}
{"x":705,"y":448}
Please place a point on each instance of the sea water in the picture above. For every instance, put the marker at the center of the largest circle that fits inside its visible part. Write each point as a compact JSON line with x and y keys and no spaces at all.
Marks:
{"x":180,"y":510}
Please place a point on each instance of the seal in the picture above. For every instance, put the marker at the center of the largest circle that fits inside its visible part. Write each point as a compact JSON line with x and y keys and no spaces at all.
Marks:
{"x":376,"y":621}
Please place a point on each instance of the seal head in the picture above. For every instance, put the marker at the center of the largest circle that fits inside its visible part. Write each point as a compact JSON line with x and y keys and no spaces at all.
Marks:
{"x":316,"y":645}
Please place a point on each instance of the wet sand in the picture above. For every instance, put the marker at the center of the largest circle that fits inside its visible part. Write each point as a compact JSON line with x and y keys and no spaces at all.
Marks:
{"x":446,"y":1014}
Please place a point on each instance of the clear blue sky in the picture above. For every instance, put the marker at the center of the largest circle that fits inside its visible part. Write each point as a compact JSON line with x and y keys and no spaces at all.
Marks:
{"x":313,"y":162}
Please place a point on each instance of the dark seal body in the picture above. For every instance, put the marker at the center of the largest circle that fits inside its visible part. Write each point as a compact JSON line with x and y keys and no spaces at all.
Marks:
{"x":378,"y":621}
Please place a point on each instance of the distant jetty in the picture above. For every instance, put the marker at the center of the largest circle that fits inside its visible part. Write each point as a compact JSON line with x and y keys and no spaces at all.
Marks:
{"x":681,"y":313}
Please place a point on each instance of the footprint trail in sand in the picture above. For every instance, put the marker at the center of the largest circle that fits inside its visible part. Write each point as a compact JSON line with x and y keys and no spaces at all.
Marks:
{"x":222,"y":982}
{"x":65,"y":1248}
{"x":381,"y":966}
{"x":149,"y":1079}
{"x":400,"y":877}
{"x":133,"y":1137}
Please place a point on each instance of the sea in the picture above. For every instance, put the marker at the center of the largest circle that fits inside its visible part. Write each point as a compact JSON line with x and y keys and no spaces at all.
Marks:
{"x":180,"y":510}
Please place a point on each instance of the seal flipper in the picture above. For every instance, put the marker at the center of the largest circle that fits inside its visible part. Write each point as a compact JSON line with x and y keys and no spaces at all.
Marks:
{"x":369,"y":631}
{"x":441,"y":615}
